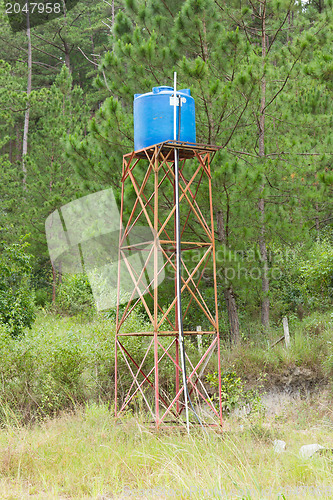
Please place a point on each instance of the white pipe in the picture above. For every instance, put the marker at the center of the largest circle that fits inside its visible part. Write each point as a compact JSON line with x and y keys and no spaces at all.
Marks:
{"x":178,"y":256}
{"x":175,"y":106}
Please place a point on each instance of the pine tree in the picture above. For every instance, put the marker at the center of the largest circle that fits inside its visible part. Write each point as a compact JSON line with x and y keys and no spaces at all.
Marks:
{"x":248,"y":69}
{"x":51,"y":180}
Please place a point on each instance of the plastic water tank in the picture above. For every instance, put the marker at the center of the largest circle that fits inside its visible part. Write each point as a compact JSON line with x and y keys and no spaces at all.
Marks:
{"x":154,"y":117}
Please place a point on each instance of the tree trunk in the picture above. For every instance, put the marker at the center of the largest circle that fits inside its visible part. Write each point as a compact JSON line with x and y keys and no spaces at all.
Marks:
{"x":265,"y":280}
{"x":18,"y":145}
{"x":317,"y":221}
{"x":54,"y":284}
{"x":229,"y":296}
{"x":207,"y":99}
{"x":261,"y":202}
{"x":64,"y":42}
{"x":67,"y":58}
{"x":27,"y":113}
{"x":232,"y":314}
{"x":93,"y":46}
{"x":11,"y":149}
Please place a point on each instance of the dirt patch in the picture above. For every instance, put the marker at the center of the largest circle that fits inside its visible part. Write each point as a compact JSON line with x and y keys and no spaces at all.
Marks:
{"x":290,"y":379}
{"x":277,"y":402}
{"x":290,"y":386}
{"x":295,"y":379}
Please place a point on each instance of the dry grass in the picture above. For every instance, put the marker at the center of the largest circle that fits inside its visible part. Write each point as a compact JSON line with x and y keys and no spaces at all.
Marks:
{"x":88,"y":455}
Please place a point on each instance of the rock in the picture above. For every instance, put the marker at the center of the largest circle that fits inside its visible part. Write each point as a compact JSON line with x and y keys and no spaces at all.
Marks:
{"x":279,"y":446}
{"x":308,"y":450}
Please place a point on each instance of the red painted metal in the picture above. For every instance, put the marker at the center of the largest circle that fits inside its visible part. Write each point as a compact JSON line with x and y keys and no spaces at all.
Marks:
{"x":149,"y":172}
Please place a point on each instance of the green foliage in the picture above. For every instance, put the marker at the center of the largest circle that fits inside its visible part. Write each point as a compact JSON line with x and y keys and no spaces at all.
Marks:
{"x":232,"y":388}
{"x":60,"y":383}
{"x":52,"y":181}
{"x":316,"y":274}
{"x":217,"y":55}
{"x":302,"y":277}
{"x":17,"y":309}
{"x":74,"y":295}
{"x":233,"y":392}
{"x":43,"y":373}
{"x":216,"y":49}
{"x":287,"y":290}
{"x":62,"y":363}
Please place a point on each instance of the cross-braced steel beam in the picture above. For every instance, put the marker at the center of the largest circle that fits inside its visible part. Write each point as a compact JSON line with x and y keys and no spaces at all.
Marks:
{"x":148,"y":179}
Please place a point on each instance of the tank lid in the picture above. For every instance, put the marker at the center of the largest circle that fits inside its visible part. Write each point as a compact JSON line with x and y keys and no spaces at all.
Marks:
{"x":157,"y":90}
{"x":165,"y":88}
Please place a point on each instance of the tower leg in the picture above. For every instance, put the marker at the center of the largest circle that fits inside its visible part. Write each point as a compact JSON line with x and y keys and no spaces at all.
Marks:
{"x":115,"y":378}
{"x":177,"y":374}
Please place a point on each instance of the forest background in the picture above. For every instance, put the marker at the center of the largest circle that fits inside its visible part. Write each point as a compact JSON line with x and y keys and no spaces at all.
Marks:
{"x":261,"y":74}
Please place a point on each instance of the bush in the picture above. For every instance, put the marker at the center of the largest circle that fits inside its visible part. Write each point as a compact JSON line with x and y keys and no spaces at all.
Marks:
{"x":233,"y":392}
{"x":74,"y":295}
{"x":17,"y":309}
{"x":303,"y":279}
{"x":58,"y":383}
{"x":61,"y":364}
{"x":316,"y":273}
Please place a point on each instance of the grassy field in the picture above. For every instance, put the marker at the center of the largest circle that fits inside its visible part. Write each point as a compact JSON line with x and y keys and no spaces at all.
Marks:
{"x":63,"y":363}
{"x":59,"y":438}
{"x":89,"y":455}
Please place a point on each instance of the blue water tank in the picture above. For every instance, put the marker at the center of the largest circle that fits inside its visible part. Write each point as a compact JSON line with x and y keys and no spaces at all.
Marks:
{"x":154,"y":117}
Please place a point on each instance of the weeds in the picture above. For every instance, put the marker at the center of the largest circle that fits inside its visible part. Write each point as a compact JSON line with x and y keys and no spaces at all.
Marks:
{"x":64,"y":362}
{"x":91,"y":455}
{"x":67,"y":364}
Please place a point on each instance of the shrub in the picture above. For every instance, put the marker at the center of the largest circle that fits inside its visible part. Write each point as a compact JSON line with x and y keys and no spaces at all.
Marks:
{"x":74,"y":295}
{"x":316,"y":272}
{"x":16,"y":299}
{"x":233,"y":392}
{"x":303,"y":278}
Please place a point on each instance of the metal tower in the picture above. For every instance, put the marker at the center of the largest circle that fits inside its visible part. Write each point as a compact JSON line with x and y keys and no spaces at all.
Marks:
{"x":149,"y":176}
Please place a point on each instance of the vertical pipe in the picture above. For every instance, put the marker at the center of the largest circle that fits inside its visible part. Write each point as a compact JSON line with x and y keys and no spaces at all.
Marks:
{"x":175,"y":232}
{"x":176,"y":304}
{"x":178,"y":255}
{"x":175,"y":106}
{"x":156,"y":289}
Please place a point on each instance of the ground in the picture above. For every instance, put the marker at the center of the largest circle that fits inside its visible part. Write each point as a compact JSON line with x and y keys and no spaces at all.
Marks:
{"x":89,"y":455}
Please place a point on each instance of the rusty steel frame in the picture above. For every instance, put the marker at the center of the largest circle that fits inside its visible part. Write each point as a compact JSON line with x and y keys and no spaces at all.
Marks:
{"x":160,"y":159}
